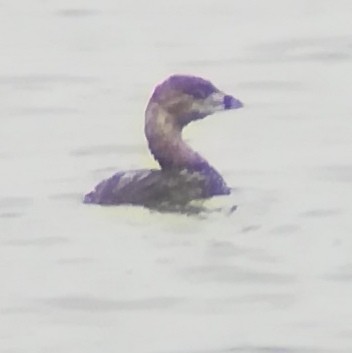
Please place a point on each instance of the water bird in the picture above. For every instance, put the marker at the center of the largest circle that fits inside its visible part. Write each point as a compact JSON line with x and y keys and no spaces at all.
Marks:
{"x":184,"y":175}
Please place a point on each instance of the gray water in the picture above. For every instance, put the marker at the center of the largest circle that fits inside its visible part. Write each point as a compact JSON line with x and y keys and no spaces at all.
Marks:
{"x":275,"y":276}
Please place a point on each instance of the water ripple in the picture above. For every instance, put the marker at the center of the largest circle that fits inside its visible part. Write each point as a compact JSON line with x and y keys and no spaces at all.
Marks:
{"x":107,"y":149}
{"x":234,"y":274}
{"x":77,"y":13}
{"x":334,"y":49}
{"x":39,"y":79}
{"x":103,"y":305}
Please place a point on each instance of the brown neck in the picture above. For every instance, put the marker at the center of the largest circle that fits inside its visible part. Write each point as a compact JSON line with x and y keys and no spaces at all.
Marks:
{"x":165,"y":141}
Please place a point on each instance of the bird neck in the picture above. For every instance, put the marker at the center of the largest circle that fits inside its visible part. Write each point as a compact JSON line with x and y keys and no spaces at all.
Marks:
{"x":164,"y":135}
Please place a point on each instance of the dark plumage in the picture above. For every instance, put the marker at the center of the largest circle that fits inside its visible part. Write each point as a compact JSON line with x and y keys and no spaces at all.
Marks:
{"x":184,"y":174}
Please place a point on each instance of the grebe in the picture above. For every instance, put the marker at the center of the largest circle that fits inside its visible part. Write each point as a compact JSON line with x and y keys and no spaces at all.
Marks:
{"x":184,"y":175}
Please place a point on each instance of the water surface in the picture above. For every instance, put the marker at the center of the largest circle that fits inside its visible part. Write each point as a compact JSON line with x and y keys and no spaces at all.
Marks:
{"x":272,"y":277}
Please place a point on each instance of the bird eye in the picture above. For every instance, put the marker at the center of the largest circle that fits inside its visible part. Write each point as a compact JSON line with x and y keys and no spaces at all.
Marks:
{"x":199,"y":94}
